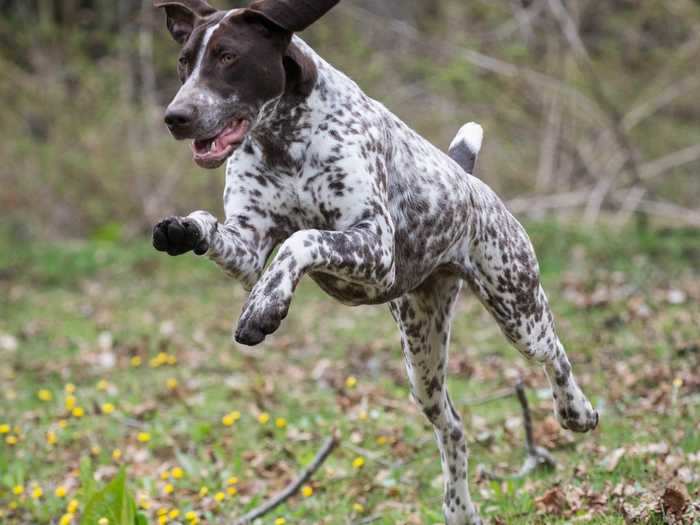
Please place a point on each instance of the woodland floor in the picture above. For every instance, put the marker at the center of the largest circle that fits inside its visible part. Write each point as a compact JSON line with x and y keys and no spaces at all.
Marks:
{"x":142,"y":344}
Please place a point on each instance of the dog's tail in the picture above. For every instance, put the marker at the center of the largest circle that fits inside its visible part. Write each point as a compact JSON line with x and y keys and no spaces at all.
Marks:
{"x":466,"y":146}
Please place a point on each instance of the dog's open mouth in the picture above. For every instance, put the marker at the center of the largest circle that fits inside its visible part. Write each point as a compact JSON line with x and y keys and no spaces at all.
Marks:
{"x":212,"y":152}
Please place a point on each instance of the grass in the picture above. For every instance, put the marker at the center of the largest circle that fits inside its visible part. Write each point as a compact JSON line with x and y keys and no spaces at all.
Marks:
{"x":117,"y":323}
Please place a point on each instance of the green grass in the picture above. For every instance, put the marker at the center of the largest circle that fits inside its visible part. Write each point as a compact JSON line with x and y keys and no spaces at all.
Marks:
{"x":79,"y":313}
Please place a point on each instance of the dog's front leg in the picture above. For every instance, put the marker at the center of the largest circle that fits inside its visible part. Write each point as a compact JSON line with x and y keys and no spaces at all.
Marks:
{"x":240,"y":250}
{"x":362,"y":255}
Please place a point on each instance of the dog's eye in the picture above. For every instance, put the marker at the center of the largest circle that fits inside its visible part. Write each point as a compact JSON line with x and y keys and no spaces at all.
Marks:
{"x":227,"y":58}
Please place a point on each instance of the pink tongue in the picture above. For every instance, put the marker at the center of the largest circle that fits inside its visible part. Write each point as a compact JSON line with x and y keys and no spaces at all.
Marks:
{"x":232,"y":134}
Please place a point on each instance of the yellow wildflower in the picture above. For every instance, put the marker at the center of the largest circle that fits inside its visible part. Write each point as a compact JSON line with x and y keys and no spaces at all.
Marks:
{"x":171,"y":360}
{"x":382,"y":440}
{"x":37,"y":492}
{"x":107,"y":408}
{"x":233,"y":480}
{"x":70,"y":402}
{"x":236,"y":415}
{"x":264,"y":418}
{"x":116,"y":454}
{"x":18,"y":490}
{"x":219,"y":497}
{"x":78,"y":412}
{"x":51,"y":437}
{"x":192,"y":517}
{"x":165,"y":475}
{"x":60,"y":491}
{"x":4,"y":428}
{"x":162,"y":520}
{"x":358,"y":462}
{"x":178,"y":473}
{"x":66,"y":519}
{"x":171,"y":383}
{"x":351,"y":382}
{"x":70,"y":388}
{"x":73,"y":505}
{"x":135,"y":361}
{"x":174,"y":514}
{"x":280,"y":521}
{"x":280,"y":422}
{"x":307,"y":491}
{"x":44,"y":395}
{"x":62,"y":423}
{"x":144,"y":503}
{"x":232,"y":491}
{"x":168,"y":489}
{"x":358,"y":507}
{"x":143,"y":437}
{"x":103,"y":521}
{"x":203,"y":491}
{"x":102,"y":385}
{"x":227,"y":420}
{"x":11,"y":440}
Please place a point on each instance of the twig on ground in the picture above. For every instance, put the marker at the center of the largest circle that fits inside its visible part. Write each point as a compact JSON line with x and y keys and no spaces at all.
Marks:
{"x":291,"y":489}
{"x":496,"y":396}
{"x":536,"y":456}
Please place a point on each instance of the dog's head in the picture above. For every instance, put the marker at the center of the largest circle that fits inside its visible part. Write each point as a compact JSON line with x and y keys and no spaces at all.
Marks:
{"x":232,"y":64}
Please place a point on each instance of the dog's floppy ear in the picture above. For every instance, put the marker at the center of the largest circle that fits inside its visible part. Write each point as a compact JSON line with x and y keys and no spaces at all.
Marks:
{"x":182,"y":16}
{"x":292,"y":15}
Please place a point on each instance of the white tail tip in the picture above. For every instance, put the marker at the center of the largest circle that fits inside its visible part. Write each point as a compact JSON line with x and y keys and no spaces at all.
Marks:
{"x":471,"y":134}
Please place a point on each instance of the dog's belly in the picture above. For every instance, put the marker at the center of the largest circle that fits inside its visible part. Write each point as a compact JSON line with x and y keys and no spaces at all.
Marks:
{"x":352,"y":294}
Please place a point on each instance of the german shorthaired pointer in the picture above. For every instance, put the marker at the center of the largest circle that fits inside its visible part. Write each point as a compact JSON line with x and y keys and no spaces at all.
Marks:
{"x":353,"y":198}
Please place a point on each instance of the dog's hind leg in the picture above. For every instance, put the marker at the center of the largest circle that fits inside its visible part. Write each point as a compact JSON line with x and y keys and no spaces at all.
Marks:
{"x":501,"y":268}
{"x":424,"y":318}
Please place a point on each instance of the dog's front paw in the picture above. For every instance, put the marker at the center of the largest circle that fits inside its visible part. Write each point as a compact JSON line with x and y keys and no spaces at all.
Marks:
{"x":261,"y":317}
{"x":176,"y":235}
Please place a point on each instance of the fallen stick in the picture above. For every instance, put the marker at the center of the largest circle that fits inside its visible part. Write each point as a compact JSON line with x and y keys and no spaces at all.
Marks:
{"x":291,"y":489}
{"x":536,"y":456}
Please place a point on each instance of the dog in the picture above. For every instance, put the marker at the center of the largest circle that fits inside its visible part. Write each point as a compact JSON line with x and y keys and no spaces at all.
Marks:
{"x":354,"y":198}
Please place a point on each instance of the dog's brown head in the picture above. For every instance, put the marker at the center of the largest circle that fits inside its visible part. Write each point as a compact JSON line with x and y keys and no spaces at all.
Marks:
{"x":232,"y":64}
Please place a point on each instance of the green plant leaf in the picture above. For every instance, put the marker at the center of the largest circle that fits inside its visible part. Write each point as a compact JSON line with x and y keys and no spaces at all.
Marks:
{"x":113,"y":502}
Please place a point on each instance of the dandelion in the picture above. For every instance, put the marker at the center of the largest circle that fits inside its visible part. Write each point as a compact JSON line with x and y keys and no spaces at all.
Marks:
{"x":171,"y":360}
{"x":203,"y":491}
{"x":66,"y":519}
{"x":62,"y":423}
{"x":280,"y":521}
{"x":103,"y":521}
{"x":11,"y":440}
{"x":95,"y":451}
{"x":37,"y":492}
{"x":307,"y":491}
{"x":162,"y":520}
{"x":219,"y":497}
{"x":168,"y":489}
{"x":4,"y":428}
{"x":144,"y":503}
{"x":135,"y":361}
{"x":174,"y":514}
{"x":44,"y":395}
{"x":18,"y":490}
{"x":382,"y":440}
{"x":351,"y":382}
{"x":233,"y":480}
{"x":69,"y":388}
{"x":102,"y":385}
{"x":232,"y":491}
{"x":116,"y":454}
{"x":178,"y":473}
{"x":264,"y":418}
{"x":51,"y":438}
{"x":107,"y":408}
{"x":236,"y":415}
{"x":60,"y":491}
{"x":143,"y":437}
{"x":358,"y":507}
{"x":280,"y":422}
{"x":70,"y":402}
{"x":227,"y":420}
{"x":78,"y":412}
{"x":358,"y":462}
{"x":73,"y":505}
{"x":192,"y":517}
{"x":171,"y":383}
{"x":165,"y":475}
{"x":363,"y":415}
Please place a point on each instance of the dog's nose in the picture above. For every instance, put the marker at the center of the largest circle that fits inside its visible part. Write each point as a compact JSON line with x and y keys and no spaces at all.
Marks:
{"x":180,"y":117}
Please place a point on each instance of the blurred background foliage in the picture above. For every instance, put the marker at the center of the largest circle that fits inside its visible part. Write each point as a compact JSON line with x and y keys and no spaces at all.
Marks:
{"x":590,"y":108}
